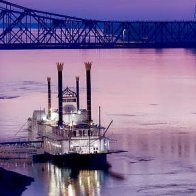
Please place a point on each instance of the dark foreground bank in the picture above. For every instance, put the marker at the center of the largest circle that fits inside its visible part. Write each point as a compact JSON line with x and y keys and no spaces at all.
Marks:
{"x":12,"y":183}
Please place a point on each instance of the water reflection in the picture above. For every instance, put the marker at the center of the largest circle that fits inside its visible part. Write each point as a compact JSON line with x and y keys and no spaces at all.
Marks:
{"x":65,"y":181}
{"x":160,"y":144}
{"x":169,"y":157}
{"x":156,"y":161}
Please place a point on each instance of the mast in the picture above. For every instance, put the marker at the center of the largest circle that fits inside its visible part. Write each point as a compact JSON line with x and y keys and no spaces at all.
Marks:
{"x":88,"y":87}
{"x":60,"y":93}
{"x":49,"y":97}
{"x":77,"y":93}
{"x":99,"y":120}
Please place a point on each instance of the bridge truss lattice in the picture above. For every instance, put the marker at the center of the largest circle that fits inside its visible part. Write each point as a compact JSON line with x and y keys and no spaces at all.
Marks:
{"x":24,"y":28}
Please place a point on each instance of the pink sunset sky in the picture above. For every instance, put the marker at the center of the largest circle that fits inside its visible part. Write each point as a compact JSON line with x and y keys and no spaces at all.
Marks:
{"x":117,"y":9}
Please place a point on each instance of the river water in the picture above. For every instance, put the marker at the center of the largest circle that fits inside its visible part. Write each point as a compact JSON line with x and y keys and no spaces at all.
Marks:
{"x":151,"y":96}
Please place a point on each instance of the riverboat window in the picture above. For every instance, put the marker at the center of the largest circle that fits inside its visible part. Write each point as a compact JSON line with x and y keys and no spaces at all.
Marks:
{"x":69,"y":100}
{"x":80,"y":132}
{"x":74,"y":133}
{"x":95,"y":149}
{"x":83,"y":132}
{"x":89,"y":133}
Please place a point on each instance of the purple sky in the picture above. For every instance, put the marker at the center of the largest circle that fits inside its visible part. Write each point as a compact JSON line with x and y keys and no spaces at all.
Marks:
{"x":117,"y":9}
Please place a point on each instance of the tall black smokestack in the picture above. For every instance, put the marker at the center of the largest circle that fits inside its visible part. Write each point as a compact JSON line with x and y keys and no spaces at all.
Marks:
{"x":49,"y":98}
{"x":88,"y":87}
{"x":78,"y":93}
{"x":60,"y":92}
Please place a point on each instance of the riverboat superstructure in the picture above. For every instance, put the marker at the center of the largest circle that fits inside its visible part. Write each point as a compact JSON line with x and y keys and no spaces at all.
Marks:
{"x":68,"y":132}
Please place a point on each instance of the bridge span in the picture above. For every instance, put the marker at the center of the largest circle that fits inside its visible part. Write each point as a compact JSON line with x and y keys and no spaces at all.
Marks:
{"x":24,"y":28}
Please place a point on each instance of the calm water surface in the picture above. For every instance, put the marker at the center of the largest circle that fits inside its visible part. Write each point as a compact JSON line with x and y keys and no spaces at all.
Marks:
{"x":150,"y":95}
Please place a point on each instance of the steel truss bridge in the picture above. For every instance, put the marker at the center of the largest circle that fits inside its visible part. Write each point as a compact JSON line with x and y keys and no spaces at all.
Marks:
{"x":24,"y":28}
